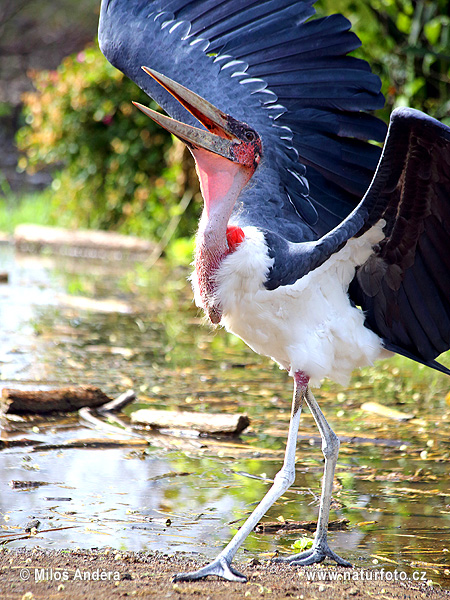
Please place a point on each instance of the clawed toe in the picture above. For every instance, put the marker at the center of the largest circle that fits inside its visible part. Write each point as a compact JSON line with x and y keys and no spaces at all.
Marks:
{"x":219,"y":567}
{"x":314,"y":555}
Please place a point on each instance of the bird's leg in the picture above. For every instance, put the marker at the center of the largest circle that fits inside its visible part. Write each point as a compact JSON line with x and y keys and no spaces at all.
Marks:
{"x":330,"y":448}
{"x":221,"y":565}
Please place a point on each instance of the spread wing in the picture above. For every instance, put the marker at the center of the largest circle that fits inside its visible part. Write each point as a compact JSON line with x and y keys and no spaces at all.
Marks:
{"x":290,"y":79}
{"x":404,"y":286}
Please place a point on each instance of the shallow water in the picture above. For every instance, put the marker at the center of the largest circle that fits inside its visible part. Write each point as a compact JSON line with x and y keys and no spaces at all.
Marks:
{"x":119,"y":326}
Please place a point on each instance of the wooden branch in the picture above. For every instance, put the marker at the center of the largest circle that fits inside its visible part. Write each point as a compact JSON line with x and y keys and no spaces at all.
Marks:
{"x":119,"y":402}
{"x":212,"y":424}
{"x":46,"y":401}
{"x":279,"y":526}
{"x":24,"y":485}
{"x":18,"y":443}
{"x":13,"y":537}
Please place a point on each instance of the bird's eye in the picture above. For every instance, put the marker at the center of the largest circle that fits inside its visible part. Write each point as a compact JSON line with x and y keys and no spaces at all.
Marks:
{"x":249,"y":135}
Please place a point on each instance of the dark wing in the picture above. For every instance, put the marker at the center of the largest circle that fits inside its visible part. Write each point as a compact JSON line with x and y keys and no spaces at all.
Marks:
{"x":404,"y":286}
{"x":324,"y":93}
{"x":289,"y":79}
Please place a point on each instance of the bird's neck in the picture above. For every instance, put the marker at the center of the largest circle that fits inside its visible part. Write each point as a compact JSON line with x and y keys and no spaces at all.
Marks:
{"x":208,"y":259}
{"x":221,"y":183}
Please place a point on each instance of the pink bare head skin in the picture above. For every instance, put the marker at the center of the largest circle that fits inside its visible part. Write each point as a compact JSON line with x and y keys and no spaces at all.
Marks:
{"x":221,"y":182}
{"x":227,"y":153}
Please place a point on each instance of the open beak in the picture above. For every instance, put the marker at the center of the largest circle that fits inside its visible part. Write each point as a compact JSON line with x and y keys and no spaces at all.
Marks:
{"x":218,"y":138}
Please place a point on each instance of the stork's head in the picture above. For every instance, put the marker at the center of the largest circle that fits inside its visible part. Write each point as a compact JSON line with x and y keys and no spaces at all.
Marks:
{"x":226,"y":153}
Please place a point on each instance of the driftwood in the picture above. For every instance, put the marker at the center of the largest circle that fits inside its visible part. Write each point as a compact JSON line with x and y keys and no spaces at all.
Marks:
{"x":18,"y":443}
{"x":386,"y":411}
{"x":89,"y":443}
{"x":284,"y":526}
{"x":119,"y":402}
{"x":14,"y":537}
{"x":25,"y":485}
{"x":81,"y":243}
{"x":211,"y":424}
{"x":47,"y":401}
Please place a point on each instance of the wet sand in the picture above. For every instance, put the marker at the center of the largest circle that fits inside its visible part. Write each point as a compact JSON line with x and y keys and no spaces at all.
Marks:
{"x":109,"y":574}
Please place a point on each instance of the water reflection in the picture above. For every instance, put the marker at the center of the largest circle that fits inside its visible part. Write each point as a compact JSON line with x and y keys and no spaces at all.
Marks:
{"x":141,"y":331}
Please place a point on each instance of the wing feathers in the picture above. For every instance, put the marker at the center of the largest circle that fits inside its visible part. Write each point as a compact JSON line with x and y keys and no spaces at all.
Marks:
{"x":404,"y":286}
{"x":410,"y":308}
{"x":260,"y":60}
{"x":436,"y":304}
{"x":428,"y":336}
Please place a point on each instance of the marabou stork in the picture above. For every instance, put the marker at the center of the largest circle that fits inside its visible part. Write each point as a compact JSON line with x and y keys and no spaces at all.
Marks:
{"x":288,"y":256}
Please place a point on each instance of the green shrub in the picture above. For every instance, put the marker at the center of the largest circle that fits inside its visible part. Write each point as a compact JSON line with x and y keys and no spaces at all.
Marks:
{"x":407,"y":43}
{"x":116,"y":169}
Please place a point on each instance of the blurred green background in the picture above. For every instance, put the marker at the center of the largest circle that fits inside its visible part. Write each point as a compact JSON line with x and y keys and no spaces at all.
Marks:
{"x":76,"y":153}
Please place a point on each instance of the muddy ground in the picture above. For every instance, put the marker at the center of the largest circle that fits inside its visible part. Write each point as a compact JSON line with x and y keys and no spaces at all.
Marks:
{"x":109,"y":575}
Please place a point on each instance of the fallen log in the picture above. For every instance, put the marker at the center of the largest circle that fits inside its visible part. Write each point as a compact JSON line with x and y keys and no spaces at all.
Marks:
{"x":47,"y":401}
{"x":81,"y":243}
{"x":284,"y":526}
{"x":211,"y":424}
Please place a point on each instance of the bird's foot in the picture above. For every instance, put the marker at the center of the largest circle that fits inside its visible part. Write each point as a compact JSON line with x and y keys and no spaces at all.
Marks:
{"x":316,"y":554}
{"x":220,"y":567}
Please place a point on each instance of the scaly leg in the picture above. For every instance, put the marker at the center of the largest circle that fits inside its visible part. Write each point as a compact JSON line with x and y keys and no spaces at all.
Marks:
{"x":330,"y":448}
{"x":221,"y":565}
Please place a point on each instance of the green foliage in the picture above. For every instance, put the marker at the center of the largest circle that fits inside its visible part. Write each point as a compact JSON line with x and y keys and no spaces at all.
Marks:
{"x":407,"y":43}
{"x":180,"y":251}
{"x":302,"y":543}
{"x":31,"y":208}
{"x":117,"y":171}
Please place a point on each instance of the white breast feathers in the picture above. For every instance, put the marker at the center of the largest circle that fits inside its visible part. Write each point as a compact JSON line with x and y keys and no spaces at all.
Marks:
{"x":309,"y":326}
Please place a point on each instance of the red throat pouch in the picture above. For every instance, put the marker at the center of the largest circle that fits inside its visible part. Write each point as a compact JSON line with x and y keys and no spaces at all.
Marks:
{"x":235,"y":236}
